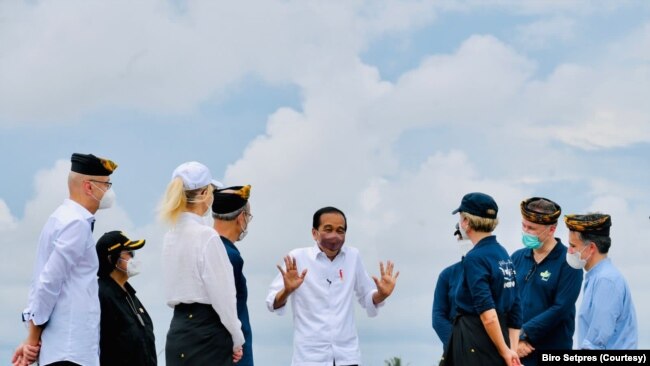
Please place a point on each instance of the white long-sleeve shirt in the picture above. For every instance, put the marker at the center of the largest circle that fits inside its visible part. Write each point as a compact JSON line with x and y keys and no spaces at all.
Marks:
{"x":197,"y":270}
{"x":323,"y":312}
{"x":63,"y":293}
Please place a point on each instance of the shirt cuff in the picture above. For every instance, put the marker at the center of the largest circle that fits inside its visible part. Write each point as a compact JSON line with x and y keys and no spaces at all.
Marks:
{"x":371,"y":309}
{"x":269,"y":304}
{"x":588,"y":345}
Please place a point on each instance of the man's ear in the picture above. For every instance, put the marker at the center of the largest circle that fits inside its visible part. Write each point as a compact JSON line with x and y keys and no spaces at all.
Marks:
{"x":87,"y":187}
{"x":314,"y":234}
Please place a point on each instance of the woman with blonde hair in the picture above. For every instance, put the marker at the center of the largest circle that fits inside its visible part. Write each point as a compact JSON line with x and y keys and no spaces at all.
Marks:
{"x":199,"y":281}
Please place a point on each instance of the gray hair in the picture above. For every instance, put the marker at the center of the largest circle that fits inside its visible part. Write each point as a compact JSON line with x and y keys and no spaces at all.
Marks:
{"x":228,"y":216}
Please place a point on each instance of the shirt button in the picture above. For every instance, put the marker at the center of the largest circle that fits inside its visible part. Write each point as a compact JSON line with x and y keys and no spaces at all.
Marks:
{"x":182,"y":355}
{"x":190,"y":316}
{"x":472,"y":350}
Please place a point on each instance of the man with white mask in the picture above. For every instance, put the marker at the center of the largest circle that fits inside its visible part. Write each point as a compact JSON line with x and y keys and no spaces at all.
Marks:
{"x":63,"y":312}
{"x":606,"y":318}
{"x":232,"y":215}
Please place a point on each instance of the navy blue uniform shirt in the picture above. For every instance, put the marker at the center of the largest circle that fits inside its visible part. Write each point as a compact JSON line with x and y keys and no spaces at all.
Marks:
{"x":242,"y":295}
{"x":548,"y":292}
{"x":489,"y":283}
{"x":444,"y":308}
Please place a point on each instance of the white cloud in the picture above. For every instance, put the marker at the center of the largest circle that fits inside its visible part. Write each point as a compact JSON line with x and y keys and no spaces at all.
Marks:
{"x":545,"y":32}
{"x":339,"y":147}
{"x":7,"y":221}
{"x":88,"y":56}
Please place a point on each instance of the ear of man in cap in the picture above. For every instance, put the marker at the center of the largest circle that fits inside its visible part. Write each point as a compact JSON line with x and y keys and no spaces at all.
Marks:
{"x":110,"y":246}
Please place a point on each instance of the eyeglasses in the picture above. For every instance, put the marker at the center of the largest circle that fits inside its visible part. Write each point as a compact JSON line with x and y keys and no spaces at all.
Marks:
{"x":531,"y":272}
{"x":108,"y":184}
{"x":249,"y":216}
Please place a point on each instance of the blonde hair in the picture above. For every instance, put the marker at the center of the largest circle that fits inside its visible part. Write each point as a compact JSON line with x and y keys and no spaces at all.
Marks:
{"x":177,"y":200}
{"x":480,"y":224}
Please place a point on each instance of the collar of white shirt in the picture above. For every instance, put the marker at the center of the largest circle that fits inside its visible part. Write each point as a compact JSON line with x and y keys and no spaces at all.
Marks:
{"x":315,"y":251}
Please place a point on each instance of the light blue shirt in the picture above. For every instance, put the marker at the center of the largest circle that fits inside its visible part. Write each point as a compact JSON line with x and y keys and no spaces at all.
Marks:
{"x":606,"y":319}
{"x":64,"y":290}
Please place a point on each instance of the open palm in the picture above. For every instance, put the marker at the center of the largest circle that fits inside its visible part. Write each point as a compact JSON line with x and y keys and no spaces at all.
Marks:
{"x":291,"y":277}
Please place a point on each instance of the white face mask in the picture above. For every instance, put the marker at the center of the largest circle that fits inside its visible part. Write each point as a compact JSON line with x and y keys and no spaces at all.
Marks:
{"x":132,"y":266}
{"x":107,"y":199}
{"x":244,"y":230}
{"x":574,"y":259}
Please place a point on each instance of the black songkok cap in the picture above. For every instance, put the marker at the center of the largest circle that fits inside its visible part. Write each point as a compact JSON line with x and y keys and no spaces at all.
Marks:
{"x":594,"y":224}
{"x":89,"y":164}
{"x":230,"y":199}
{"x":109,"y":247}
{"x":543,"y":218}
{"x":478,"y":204}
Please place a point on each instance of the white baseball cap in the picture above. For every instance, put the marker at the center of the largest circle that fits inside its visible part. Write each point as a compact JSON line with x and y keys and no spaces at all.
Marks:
{"x":217,"y":184}
{"x":194,"y":175}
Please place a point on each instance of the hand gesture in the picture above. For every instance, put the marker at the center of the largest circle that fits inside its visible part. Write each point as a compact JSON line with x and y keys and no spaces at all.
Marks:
{"x":292,"y":279}
{"x":386,"y":283}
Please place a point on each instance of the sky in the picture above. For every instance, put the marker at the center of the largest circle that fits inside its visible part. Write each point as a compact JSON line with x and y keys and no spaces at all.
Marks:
{"x":388,"y":110}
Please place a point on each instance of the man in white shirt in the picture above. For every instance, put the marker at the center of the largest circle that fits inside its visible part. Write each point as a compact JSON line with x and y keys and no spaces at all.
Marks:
{"x":324,"y":328}
{"x":63,"y":311}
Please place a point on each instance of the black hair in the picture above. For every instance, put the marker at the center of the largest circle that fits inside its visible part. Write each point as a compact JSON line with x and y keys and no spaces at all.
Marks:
{"x":107,"y":263}
{"x":325,"y":210}
{"x":602,"y":242}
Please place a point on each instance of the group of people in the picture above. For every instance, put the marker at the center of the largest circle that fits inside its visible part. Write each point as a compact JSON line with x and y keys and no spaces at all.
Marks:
{"x":491,"y":308}
{"x":83,"y":311}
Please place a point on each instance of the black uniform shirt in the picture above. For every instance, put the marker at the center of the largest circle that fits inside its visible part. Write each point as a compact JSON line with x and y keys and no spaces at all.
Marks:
{"x":124,"y":340}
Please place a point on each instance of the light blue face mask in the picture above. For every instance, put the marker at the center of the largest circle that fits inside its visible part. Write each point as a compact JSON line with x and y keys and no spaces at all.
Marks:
{"x":530,"y":241}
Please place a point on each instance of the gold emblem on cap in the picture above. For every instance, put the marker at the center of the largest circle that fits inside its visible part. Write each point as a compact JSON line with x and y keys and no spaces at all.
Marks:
{"x":108,"y":164}
{"x":244,"y":192}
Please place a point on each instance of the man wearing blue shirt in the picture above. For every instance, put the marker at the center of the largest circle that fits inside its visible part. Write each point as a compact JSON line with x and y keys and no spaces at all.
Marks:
{"x":486,"y":329}
{"x":443,"y":311}
{"x":548,"y":286}
{"x":606,"y":319}
{"x":444,"y":306}
{"x":63,"y":311}
{"x":232,"y":214}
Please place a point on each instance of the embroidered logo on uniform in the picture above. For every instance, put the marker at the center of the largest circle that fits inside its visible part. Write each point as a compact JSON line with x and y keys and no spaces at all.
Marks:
{"x":545,"y":275}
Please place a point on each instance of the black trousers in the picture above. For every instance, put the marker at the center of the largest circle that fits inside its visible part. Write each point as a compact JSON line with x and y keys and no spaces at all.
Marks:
{"x":471,"y":345}
{"x":196,"y":336}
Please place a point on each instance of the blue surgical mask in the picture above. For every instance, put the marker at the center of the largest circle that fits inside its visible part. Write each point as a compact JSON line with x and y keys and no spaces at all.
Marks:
{"x":530,"y":241}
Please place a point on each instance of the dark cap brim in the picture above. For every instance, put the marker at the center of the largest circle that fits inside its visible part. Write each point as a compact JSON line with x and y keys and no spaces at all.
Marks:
{"x":455,"y":211}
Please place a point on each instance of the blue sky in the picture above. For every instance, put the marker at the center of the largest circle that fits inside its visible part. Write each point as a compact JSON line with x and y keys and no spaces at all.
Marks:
{"x":389,"y":110}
